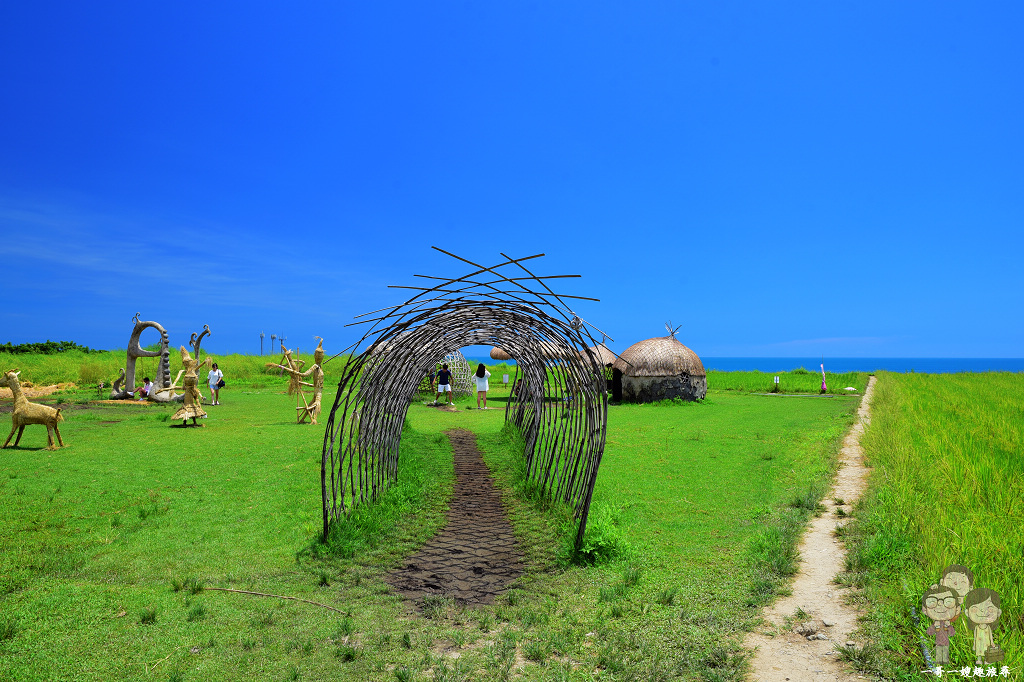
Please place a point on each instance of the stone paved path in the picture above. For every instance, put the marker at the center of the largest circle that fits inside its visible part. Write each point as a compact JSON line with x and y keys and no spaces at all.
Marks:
{"x":475,"y":555}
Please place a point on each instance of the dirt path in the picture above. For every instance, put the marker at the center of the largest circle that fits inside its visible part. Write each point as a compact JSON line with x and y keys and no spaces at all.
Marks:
{"x":782,"y":652}
{"x":475,"y":556}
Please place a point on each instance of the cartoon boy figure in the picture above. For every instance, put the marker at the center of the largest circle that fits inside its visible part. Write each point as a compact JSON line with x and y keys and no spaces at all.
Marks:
{"x":942,"y":605}
{"x":981,"y":607}
{"x":958,"y":578}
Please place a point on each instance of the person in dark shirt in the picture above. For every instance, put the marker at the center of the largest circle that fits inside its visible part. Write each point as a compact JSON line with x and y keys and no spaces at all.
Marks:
{"x":444,"y":385}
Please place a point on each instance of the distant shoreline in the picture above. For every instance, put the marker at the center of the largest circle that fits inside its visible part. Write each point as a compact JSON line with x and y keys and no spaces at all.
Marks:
{"x":843,"y":365}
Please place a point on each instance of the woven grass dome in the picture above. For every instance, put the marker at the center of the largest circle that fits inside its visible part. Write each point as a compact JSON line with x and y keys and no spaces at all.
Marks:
{"x":605,"y":356}
{"x":499,"y":354}
{"x":659,"y":369}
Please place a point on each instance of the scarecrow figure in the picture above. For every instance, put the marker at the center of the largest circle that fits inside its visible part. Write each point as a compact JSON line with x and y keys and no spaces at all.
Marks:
{"x":190,"y":387}
{"x":304,"y":409}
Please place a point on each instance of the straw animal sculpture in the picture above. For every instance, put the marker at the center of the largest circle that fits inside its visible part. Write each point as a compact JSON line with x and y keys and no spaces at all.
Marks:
{"x":560,"y":404}
{"x":26,"y":413}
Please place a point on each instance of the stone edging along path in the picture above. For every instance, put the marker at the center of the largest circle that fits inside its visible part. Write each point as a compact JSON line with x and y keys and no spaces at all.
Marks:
{"x":782,"y":653}
{"x":475,"y":556}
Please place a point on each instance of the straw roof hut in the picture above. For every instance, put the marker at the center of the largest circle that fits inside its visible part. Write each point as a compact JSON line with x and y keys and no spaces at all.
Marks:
{"x":605,"y":357}
{"x":659,"y":369}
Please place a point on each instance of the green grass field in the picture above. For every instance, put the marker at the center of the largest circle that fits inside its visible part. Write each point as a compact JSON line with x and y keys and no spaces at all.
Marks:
{"x":107,"y":542}
{"x":947,"y":487}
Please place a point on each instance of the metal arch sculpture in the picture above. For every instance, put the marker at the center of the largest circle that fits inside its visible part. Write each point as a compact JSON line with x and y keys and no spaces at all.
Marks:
{"x":559,"y":400}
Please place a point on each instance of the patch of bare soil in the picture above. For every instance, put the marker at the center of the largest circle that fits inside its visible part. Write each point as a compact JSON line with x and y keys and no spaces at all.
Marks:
{"x":34,"y":391}
{"x":475,"y":556}
{"x":803,"y":649}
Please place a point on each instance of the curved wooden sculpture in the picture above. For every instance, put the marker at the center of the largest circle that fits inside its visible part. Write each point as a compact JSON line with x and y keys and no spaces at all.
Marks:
{"x":560,"y":403}
{"x":159,"y":394}
{"x":125,"y":386}
{"x":26,"y":413}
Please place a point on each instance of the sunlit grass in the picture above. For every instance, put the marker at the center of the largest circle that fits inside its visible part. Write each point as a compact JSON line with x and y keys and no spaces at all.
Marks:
{"x":947,"y":486}
{"x":111,"y":546}
{"x":794,"y":381}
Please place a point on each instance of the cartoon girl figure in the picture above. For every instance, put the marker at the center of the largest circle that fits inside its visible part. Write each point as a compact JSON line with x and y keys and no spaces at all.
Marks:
{"x":958,"y":578}
{"x":981,"y":609}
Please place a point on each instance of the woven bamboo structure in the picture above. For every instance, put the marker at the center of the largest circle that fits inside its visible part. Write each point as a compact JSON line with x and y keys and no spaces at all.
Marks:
{"x":661,"y":368}
{"x":559,"y":402}
{"x":462,"y":373}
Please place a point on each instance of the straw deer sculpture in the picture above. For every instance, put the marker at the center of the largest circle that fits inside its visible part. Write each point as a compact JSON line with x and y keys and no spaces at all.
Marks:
{"x":26,"y":413}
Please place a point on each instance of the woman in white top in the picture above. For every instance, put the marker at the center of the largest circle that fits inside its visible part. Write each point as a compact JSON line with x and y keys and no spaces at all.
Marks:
{"x":213,"y":379}
{"x":482,"y":375}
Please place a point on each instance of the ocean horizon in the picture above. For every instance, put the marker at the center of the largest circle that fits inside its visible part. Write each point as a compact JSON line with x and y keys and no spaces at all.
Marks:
{"x":842,"y":365}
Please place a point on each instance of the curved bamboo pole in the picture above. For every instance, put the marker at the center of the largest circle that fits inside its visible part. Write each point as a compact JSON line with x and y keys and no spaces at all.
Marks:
{"x":559,"y":400}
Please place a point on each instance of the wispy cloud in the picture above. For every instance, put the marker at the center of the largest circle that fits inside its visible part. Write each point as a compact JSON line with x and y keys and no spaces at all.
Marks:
{"x":102,"y":254}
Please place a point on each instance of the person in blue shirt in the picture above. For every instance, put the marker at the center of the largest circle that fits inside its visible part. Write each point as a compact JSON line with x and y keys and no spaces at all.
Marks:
{"x":444,"y":385}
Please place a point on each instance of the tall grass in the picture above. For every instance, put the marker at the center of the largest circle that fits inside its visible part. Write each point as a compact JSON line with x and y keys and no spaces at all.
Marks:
{"x":947,"y":487}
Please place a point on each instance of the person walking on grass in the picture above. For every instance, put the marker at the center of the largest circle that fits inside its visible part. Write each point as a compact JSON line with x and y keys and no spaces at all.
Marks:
{"x":482,"y":375}
{"x":215,"y":379}
{"x":444,"y":385}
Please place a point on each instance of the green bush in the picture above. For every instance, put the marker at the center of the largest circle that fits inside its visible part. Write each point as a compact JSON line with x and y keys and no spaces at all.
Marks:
{"x":603,"y":540}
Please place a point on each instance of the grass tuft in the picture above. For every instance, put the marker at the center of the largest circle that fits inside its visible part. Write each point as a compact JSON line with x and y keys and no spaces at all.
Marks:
{"x":8,"y":629}
{"x":667,"y":596}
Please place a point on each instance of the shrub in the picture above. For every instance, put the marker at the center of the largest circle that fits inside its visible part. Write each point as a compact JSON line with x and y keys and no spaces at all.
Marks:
{"x":602,"y":540}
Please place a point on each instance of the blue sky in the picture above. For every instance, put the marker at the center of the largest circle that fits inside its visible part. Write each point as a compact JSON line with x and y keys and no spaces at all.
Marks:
{"x":780,"y":179}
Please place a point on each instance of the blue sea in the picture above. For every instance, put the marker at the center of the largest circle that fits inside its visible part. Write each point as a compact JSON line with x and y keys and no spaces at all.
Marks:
{"x":840,"y":365}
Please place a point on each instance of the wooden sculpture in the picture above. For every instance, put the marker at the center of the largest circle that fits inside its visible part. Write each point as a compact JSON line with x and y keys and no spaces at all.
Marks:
{"x":26,"y":413}
{"x":191,"y":407}
{"x":118,"y":392}
{"x":304,"y":409}
{"x":124,"y":388}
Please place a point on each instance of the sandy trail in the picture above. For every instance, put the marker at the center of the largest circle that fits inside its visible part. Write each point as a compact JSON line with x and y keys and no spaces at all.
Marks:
{"x":783,"y":654}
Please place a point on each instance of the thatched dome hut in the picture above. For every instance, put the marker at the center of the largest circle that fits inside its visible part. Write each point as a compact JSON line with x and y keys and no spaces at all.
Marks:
{"x":659,"y":369}
{"x":605,"y":356}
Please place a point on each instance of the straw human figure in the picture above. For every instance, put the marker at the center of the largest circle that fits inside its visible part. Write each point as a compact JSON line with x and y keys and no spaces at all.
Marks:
{"x":191,"y":407}
{"x":305,"y":409}
{"x":26,"y":413}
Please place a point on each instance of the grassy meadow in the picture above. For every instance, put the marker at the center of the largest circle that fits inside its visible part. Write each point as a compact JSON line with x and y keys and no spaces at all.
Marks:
{"x":797,"y":381}
{"x":946,"y":487}
{"x":112,"y":544}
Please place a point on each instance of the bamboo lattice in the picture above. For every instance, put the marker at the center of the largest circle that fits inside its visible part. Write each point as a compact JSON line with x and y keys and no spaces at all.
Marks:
{"x":559,"y":400}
